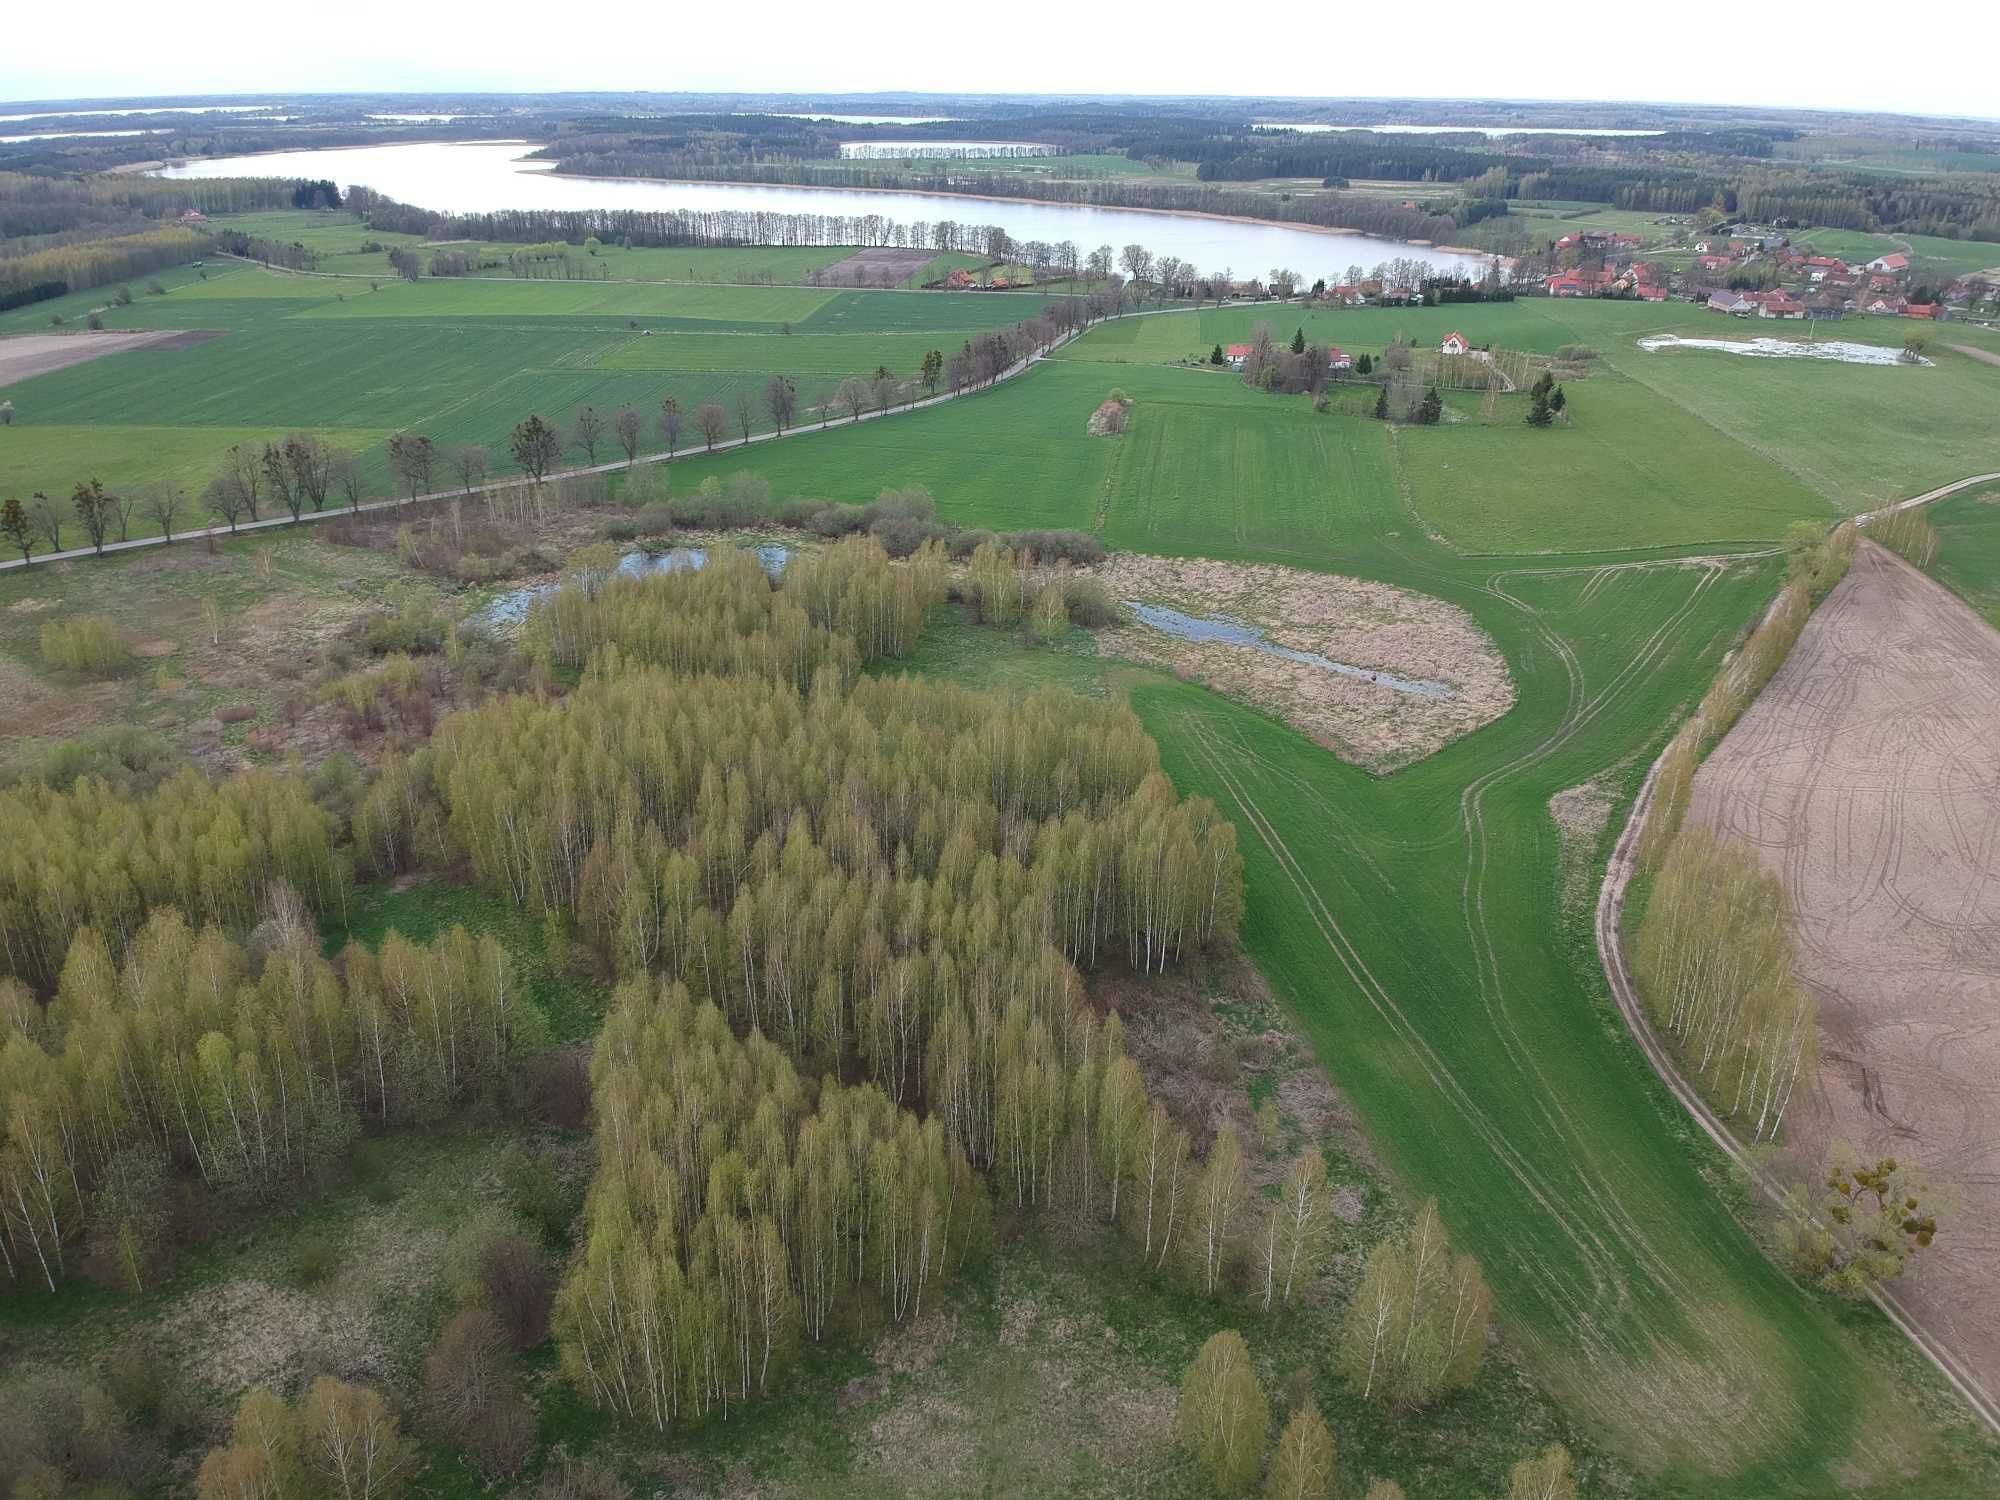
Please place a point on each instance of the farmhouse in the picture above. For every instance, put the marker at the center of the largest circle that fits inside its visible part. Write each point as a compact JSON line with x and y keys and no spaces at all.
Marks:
{"x":1887,"y":305}
{"x":1236,"y":354}
{"x":1566,"y":285}
{"x":1895,"y":263}
{"x":1347,"y":296}
{"x":1338,"y":358}
{"x":1454,"y":343}
{"x":1734,"y":303}
{"x":1779,"y":305}
{"x":1713,"y":262}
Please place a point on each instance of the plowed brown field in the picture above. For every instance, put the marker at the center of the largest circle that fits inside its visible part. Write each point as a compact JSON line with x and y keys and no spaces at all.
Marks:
{"x":1867,"y":775}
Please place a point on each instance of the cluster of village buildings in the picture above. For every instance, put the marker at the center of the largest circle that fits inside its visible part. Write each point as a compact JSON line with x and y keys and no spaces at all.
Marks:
{"x":1808,"y":286}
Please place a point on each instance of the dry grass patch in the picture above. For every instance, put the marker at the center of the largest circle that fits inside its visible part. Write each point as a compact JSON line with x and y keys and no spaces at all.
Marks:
{"x":1374,"y":627}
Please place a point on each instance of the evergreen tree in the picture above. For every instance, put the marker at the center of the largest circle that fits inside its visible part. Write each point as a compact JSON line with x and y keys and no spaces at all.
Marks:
{"x":1215,"y":356}
{"x":1382,"y":404}
{"x":1299,"y":341}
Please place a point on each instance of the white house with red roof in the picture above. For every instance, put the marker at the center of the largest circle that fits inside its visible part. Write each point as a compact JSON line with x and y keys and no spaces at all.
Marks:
{"x":1236,"y":354}
{"x":1454,"y":343}
{"x":1895,"y":264}
{"x":1338,"y":358}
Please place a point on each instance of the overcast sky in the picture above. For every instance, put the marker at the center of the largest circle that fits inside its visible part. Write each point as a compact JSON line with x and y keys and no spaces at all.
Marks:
{"x":1823,"y":56}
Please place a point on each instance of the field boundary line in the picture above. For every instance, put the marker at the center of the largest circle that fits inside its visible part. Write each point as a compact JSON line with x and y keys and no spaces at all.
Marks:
{"x":1617,"y":973}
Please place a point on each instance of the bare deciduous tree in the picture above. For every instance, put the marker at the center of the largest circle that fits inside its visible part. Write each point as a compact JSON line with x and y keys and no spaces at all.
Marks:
{"x":309,"y":460}
{"x":853,"y":395}
{"x":225,"y":500}
{"x":162,"y":502}
{"x":413,"y":459}
{"x":781,"y":399}
{"x":47,"y":521}
{"x":671,"y":421}
{"x":345,"y":472}
{"x":586,"y":431}
{"x":468,"y":464}
{"x":535,"y":445}
{"x":712,"y":422}
{"x":746,"y":408}
{"x":630,"y":428}
{"x":247,"y":466}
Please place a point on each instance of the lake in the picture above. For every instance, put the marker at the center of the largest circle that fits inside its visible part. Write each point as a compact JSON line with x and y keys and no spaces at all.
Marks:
{"x":487,"y":176}
{"x":1490,"y":131}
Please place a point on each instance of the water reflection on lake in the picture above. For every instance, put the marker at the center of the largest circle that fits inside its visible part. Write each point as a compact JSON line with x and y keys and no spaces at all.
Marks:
{"x":1233,"y":632}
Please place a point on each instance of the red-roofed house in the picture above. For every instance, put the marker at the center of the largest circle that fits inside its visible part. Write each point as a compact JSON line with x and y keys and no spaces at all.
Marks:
{"x":1920,"y":310}
{"x":1347,"y":296}
{"x":1713,"y":262}
{"x":1566,"y":285}
{"x":1649,"y":292}
{"x":1338,"y":358}
{"x":1454,"y":343}
{"x":1892,"y":263}
{"x":1779,"y":305}
{"x":1236,"y":354}
{"x":1886,"y":305}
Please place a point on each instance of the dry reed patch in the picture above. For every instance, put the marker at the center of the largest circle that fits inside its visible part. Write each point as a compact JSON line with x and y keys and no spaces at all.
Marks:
{"x":246,"y":1332}
{"x":1580,"y":814}
{"x":1375,"y":627}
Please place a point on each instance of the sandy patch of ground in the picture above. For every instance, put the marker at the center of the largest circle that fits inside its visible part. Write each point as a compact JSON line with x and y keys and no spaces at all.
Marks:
{"x":1867,"y":775}
{"x":1373,"y":626}
{"x":881,"y":266}
{"x":27,"y":354}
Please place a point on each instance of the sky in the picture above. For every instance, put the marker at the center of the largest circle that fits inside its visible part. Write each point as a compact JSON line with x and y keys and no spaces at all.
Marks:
{"x":1446,"y":48}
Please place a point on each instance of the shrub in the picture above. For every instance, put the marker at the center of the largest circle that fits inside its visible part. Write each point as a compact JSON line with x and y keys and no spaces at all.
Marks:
{"x":655,"y":520}
{"x":415,"y":628}
{"x":314,"y":1258}
{"x":133,"y":761}
{"x":86,"y":644}
{"x":1091,"y":605}
{"x":743,"y":500}
{"x":1078,"y":547}
{"x":517,"y":1286}
{"x":567,"y":1478}
{"x":538,"y":1192}
{"x":471,"y":1399}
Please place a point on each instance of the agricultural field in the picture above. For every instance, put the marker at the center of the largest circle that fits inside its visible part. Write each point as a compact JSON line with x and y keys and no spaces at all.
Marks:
{"x":461,"y":361}
{"x":1931,"y":258}
{"x":1968,"y":558}
{"x":1860,"y":778}
{"x":1420,"y":930}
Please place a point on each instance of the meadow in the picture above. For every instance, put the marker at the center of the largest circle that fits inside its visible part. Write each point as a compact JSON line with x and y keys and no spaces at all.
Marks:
{"x":459,"y":360}
{"x":1968,"y":557}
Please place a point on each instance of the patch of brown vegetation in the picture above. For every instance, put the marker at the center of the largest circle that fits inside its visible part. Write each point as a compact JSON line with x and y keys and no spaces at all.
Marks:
{"x":1580,"y":814}
{"x":23,"y":355}
{"x":246,"y":1332}
{"x":1373,"y":626}
{"x":880,"y":266}
{"x":1867,"y":777}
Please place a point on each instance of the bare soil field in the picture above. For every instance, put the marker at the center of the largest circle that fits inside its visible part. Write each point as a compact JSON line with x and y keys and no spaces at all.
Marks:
{"x":877,"y":267}
{"x":1867,"y":776}
{"x":26,"y":354}
{"x":1427,"y":674}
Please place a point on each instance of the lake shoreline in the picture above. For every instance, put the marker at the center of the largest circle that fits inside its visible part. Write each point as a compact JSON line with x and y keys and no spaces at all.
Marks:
{"x":554,"y":172}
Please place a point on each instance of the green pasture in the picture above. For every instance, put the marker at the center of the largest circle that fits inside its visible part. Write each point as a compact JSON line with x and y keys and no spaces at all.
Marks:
{"x":460,"y":361}
{"x":1858,"y":435}
{"x":1930,"y":255}
{"x":1968,"y":560}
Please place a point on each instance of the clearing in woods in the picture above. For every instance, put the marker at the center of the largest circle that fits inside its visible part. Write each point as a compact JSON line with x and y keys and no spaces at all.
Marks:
{"x":1865,"y":777}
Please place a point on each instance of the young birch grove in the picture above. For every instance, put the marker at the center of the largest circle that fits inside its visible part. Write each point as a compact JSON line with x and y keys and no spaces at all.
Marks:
{"x":1714,"y":960}
{"x":251,"y":1077}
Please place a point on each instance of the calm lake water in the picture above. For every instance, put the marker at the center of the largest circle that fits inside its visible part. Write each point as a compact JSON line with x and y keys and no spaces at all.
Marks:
{"x":1490,"y":131}
{"x":486,"y":176}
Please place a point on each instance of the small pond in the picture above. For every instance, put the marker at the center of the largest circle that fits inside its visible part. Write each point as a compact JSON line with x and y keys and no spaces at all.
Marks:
{"x":1233,"y":632}
{"x":511,"y":608}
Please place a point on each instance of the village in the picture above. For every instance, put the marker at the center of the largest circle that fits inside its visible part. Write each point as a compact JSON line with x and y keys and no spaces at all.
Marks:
{"x":1760,"y":274}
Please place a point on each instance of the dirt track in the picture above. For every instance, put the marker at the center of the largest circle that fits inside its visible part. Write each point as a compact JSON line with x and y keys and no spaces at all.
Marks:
{"x":1867,"y":775}
{"x":26,"y":354}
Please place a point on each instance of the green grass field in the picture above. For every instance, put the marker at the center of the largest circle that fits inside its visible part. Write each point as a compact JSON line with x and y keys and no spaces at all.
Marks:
{"x":1968,"y":560}
{"x":461,"y":361}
